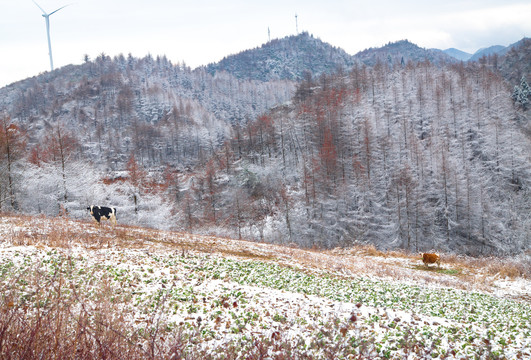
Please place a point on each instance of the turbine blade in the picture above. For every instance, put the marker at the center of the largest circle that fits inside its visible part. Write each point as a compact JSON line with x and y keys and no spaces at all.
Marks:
{"x":53,"y":12}
{"x":44,"y":12}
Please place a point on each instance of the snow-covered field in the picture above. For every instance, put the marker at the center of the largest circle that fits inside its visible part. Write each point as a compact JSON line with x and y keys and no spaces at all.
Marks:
{"x":224,"y":298}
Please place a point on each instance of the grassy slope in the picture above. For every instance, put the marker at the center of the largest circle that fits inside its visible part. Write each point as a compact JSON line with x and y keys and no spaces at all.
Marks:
{"x":139,"y":293}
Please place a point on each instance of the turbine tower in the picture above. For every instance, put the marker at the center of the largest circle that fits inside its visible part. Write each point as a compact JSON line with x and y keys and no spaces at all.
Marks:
{"x":47,"y":18}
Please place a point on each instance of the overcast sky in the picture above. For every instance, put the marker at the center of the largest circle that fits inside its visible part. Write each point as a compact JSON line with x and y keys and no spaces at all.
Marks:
{"x":199,"y":32}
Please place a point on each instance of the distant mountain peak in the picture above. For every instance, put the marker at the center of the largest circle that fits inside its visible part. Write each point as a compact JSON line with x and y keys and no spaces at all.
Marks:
{"x":495,"y":49}
{"x":400,"y":52}
{"x":286,"y":58}
{"x":458,"y":54}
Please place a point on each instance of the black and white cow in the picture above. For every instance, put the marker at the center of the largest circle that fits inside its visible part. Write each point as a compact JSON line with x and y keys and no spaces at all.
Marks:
{"x":102,"y":212}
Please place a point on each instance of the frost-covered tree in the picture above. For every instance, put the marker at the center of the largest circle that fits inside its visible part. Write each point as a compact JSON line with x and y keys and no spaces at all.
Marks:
{"x":12,"y":145}
{"x":425,"y":157}
{"x":522,"y":94}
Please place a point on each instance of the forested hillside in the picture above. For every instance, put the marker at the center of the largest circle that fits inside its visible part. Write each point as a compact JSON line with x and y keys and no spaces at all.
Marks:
{"x":72,"y":137}
{"x":516,"y":62}
{"x":416,"y":157}
{"x":411,"y":155}
{"x":160,"y":111}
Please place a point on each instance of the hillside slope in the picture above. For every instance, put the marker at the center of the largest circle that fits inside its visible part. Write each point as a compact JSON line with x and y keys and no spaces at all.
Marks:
{"x":160,"y":112}
{"x":414,"y":157}
{"x":516,"y":62}
{"x":142,"y":293}
{"x":404,"y":154}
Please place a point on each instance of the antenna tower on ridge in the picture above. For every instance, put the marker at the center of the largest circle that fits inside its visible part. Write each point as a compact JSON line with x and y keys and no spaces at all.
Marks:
{"x":296,"y":25}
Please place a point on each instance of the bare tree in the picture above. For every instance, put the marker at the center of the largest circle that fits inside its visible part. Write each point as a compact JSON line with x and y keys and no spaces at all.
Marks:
{"x":12,"y":145}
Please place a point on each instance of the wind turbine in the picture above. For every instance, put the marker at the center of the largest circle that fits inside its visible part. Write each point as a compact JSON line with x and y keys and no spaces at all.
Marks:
{"x":47,"y":18}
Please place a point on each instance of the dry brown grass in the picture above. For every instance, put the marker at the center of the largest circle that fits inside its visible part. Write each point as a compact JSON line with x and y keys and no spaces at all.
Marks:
{"x":59,"y":324}
{"x":506,"y":267}
{"x":64,"y":233}
{"x":371,"y":250}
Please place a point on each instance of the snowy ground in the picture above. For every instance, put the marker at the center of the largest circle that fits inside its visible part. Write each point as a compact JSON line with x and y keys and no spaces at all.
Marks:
{"x":221,"y":293}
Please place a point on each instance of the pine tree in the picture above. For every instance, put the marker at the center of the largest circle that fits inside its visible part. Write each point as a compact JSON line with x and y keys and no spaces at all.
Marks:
{"x":526,"y":91}
{"x":522,"y":94}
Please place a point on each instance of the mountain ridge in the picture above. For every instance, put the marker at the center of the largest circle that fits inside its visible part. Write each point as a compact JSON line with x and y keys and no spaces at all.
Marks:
{"x":289,"y":58}
{"x":491,"y":50}
{"x":293,"y":56}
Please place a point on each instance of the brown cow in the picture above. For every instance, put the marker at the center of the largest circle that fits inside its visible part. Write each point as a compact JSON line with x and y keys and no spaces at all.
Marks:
{"x":431,"y":258}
